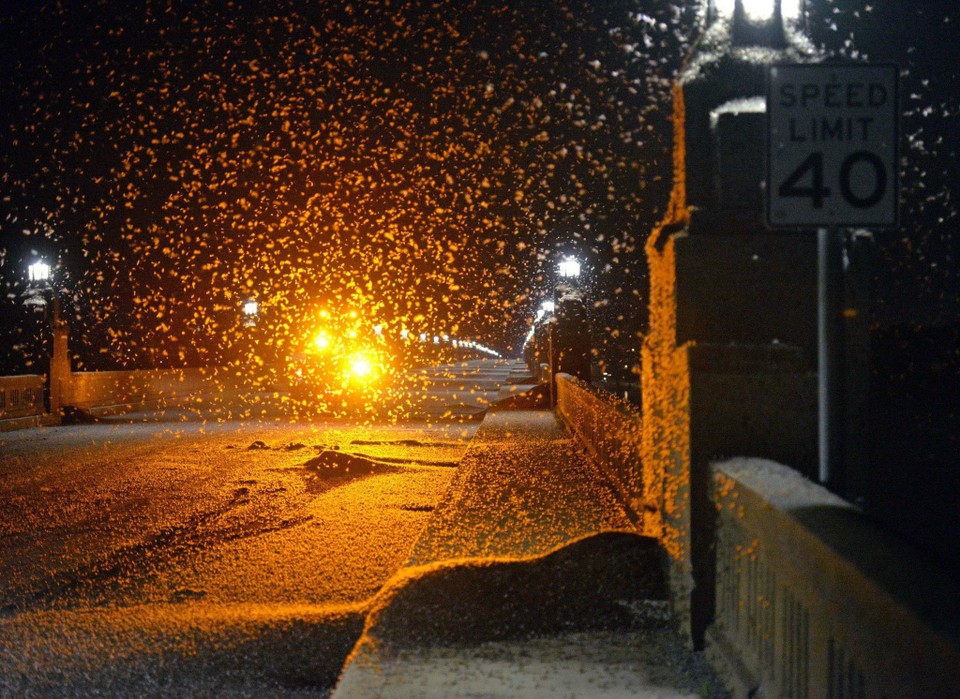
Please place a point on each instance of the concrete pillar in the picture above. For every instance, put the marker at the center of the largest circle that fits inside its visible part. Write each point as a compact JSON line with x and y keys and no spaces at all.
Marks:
{"x":730,"y":357}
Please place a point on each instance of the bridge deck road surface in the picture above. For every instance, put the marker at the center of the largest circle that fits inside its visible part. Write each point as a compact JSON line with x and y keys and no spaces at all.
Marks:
{"x":186,"y":554}
{"x":469,"y":387}
{"x":528,"y":581}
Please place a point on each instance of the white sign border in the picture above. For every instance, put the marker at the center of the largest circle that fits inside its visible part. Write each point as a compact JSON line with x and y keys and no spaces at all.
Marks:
{"x":895,"y":179}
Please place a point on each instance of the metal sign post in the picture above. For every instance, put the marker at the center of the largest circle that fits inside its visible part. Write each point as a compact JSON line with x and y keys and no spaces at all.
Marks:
{"x":831,"y":164}
{"x":829,"y":359}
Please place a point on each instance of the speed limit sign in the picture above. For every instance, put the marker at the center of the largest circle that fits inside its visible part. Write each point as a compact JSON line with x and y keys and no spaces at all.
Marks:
{"x":832,"y":145}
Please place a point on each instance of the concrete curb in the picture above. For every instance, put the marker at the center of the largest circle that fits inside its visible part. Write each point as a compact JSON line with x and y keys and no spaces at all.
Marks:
{"x":528,"y":553}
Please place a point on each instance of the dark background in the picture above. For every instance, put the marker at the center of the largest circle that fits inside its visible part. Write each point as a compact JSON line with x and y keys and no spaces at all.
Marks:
{"x":428,"y":162}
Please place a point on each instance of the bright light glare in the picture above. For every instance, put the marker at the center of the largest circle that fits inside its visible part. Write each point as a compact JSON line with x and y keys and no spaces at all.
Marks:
{"x":360,"y":366}
{"x":569,"y":267}
{"x":39,"y":272}
{"x":790,"y":9}
{"x":760,"y":10}
{"x":251,"y":308}
{"x":724,"y":7}
{"x":546,"y":308}
{"x":321,"y":341}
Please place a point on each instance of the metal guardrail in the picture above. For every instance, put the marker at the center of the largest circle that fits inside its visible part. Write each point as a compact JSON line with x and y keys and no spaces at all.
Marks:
{"x":21,"y":396}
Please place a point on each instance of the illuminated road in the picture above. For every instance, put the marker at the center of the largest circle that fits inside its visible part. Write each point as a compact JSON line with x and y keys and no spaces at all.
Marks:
{"x":157,"y":556}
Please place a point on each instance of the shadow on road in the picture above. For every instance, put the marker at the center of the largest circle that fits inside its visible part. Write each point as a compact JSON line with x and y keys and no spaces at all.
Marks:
{"x":596,"y":582}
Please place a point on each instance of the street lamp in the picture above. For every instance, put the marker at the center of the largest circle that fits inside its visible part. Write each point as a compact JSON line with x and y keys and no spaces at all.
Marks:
{"x":754,"y":10}
{"x":759,"y":10}
{"x":758,"y":22}
{"x":569,"y":337}
{"x":39,"y":287}
{"x":251,"y":311}
{"x":569,"y":268}
{"x":763,"y":10}
{"x":39,"y":271}
{"x":546,"y":308}
{"x":568,"y":271}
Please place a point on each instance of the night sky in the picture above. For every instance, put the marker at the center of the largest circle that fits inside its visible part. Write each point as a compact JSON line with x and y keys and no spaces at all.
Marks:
{"x":425,"y":162}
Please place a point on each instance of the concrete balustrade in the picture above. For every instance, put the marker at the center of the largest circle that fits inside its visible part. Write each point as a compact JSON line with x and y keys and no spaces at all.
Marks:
{"x":611,"y":431}
{"x":813,"y":601}
{"x":112,"y":392}
{"x":118,"y":391}
{"x":21,"y":397}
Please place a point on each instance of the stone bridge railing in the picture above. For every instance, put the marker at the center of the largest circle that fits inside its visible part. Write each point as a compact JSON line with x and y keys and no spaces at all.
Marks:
{"x":811,"y":599}
{"x":21,"y":396}
{"x":22,"y":401}
{"x":125,"y":390}
{"x":611,"y":430}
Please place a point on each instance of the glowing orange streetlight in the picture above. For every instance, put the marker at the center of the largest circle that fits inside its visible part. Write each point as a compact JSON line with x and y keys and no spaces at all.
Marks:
{"x":361,"y":366}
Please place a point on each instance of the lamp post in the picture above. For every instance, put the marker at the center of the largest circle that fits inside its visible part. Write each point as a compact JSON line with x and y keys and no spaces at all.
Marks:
{"x":568,"y":273}
{"x":546,"y":309}
{"x":39,"y":271}
{"x":569,"y":329}
{"x":537,"y":345}
{"x":39,"y":288}
{"x":254,"y":368}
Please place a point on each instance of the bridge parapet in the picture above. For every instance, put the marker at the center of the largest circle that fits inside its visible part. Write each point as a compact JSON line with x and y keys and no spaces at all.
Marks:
{"x":729,"y":358}
{"x":813,"y":601}
{"x":111,"y":392}
{"x":21,"y":396}
{"x":611,"y":430}
{"x":811,"y":598}
{"x":119,"y":391}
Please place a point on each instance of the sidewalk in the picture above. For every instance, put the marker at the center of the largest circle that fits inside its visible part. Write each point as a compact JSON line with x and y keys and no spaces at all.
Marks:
{"x":529,"y":581}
